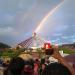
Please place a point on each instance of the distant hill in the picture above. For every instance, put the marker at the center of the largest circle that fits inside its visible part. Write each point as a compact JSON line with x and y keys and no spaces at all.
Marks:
{"x":3,"y":45}
{"x":68,"y":48}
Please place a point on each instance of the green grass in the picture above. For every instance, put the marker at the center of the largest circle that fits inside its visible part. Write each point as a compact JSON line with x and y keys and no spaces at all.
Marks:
{"x":67,"y":50}
{"x":10,"y":53}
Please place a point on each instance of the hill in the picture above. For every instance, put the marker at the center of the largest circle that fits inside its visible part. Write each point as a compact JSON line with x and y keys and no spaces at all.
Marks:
{"x":3,"y":45}
{"x":68,"y":48}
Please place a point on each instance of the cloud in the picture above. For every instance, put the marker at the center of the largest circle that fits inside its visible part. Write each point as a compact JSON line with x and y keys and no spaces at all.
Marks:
{"x":6,"y":19}
{"x":55,"y":41}
{"x":9,"y":18}
{"x":57,"y":34}
{"x":19,"y":18}
{"x":6,"y":30}
{"x":64,"y":37}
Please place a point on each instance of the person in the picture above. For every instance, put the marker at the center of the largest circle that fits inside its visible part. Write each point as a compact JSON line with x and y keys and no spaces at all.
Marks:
{"x":56,"y":69}
{"x":29,"y":67}
{"x":15,"y":66}
{"x":42,"y":65}
{"x":63,"y":60}
{"x":29,"y":64}
{"x":36,"y":67}
{"x":55,"y":54}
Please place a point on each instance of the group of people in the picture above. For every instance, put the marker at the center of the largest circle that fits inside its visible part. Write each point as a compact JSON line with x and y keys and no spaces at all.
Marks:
{"x":19,"y":66}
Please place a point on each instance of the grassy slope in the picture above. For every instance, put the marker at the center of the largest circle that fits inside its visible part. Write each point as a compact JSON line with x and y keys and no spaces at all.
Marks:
{"x":67,"y":50}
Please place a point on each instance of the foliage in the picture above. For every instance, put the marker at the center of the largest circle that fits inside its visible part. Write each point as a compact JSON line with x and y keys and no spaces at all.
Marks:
{"x":10,"y":53}
{"x":41,"y":54}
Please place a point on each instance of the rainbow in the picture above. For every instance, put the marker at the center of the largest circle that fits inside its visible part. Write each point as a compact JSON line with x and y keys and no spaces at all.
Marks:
{"x":47,"y":16}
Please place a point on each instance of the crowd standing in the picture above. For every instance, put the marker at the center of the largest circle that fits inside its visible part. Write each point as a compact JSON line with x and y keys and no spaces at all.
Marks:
{"x":52,"y":64}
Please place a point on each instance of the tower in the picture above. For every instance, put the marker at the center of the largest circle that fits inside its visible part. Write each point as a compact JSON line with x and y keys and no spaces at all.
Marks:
{"x":34,"y":41}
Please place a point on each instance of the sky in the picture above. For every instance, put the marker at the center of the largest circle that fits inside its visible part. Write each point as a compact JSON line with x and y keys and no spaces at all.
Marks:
{"x":20,"y":18}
